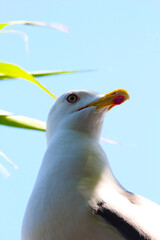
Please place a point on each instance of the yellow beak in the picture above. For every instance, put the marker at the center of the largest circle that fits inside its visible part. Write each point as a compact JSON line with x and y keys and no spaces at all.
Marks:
{"x":111,"y":99}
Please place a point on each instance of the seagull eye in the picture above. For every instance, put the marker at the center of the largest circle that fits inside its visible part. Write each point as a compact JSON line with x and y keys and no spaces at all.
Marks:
{"x":72,"y":98}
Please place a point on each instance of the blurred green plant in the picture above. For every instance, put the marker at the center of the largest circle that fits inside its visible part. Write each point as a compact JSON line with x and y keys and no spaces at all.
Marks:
{"x":57,"y":26}
{"x":12,"y":120}
{"x":12,"y":71}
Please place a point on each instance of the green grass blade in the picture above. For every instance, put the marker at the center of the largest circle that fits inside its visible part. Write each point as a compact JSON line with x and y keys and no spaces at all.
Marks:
{"x":2,"y":25}
{"x":3,"y":77}
{"x":18,"y":121}
{"x":49,"y":73}
{"x":56,"y":26}
{"x":46,"y":73}
{"x":13,"y":71}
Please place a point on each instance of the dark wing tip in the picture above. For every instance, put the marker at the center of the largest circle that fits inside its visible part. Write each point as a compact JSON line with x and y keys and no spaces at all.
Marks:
{"x":128,"y":231}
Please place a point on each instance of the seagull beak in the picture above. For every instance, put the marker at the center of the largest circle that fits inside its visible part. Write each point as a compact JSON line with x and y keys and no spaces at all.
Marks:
{"x":111,"y":99}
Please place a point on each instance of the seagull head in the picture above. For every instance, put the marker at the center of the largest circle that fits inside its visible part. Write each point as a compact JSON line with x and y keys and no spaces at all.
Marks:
{"x":82,"y":111}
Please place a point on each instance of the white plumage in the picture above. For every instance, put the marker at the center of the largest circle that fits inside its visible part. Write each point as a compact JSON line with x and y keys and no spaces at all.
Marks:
{"x":76,"y":196}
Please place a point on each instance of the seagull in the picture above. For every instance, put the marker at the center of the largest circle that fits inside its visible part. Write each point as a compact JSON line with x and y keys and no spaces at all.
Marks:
{"x":76,"y":196}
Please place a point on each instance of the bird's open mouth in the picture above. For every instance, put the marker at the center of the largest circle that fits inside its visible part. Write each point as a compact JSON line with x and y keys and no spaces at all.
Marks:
{"x":109,"y":100}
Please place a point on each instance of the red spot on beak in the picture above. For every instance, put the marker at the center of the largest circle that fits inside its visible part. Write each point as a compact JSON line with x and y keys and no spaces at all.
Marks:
{"x":118,"y":100}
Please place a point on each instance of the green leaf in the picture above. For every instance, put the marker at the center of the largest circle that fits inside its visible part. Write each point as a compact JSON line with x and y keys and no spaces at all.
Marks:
{"x":13,"y":71}
{"x":48,"y":73}
{"x":2,"y":25}
{"x":57,"y":26}
{"x":43,"y":74}
{"x":18,"y":121}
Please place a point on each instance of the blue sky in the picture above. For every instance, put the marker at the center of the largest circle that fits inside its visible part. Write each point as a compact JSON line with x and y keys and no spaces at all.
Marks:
{"x":121,"y":41}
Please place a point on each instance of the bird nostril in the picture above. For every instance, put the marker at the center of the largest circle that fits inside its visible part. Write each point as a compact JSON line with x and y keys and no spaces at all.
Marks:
{"x":113,"y":93}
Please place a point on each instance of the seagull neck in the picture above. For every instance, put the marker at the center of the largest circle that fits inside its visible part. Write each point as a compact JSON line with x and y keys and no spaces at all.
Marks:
{"x":78,"y":159}
{"x":70,"y":132}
